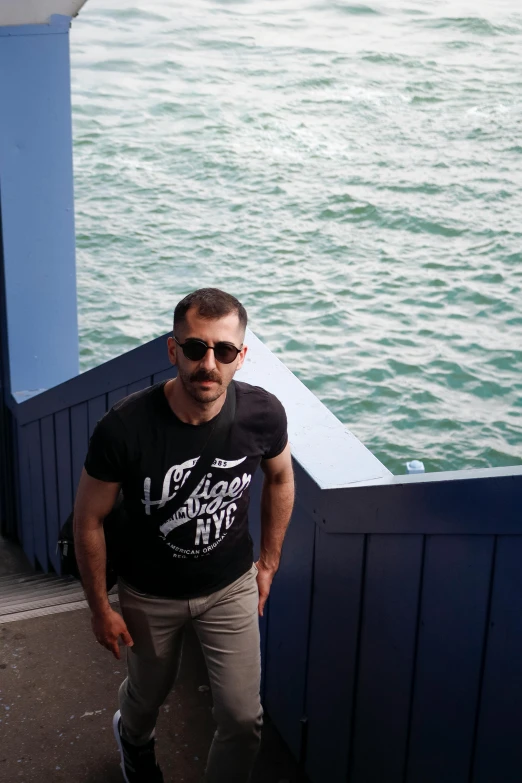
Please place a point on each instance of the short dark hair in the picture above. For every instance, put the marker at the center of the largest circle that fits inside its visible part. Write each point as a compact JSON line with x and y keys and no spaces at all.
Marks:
{"x":210,"y":303}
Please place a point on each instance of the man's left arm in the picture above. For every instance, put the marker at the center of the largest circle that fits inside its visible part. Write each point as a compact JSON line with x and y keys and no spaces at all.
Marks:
{"x":277,"y":500}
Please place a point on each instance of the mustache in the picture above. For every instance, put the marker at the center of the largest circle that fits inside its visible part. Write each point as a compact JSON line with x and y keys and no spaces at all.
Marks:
{"x":205,"y":375}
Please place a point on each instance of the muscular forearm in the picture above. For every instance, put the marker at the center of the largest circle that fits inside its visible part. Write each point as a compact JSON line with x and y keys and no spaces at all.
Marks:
{"x":91,"y":556}
{"x":277,"y":500}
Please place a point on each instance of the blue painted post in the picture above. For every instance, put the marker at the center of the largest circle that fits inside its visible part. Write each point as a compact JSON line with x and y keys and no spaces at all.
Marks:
{"x":36,"y":179}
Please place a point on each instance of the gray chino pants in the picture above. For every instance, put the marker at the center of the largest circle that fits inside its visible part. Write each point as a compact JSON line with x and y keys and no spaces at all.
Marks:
{"x":227,"y":626}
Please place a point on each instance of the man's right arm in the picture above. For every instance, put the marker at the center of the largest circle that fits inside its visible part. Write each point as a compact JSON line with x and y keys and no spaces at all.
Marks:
{"x":94,"y":501}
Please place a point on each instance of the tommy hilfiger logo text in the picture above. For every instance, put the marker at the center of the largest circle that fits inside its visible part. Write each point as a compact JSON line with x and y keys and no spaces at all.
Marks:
{"x":212,"y":504}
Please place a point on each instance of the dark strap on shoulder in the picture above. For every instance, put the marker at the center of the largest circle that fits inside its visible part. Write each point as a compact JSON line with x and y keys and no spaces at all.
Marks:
{"x":214,"y":445}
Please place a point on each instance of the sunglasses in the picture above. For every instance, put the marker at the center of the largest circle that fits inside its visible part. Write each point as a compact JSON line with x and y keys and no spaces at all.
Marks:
{"x":195,"y":350}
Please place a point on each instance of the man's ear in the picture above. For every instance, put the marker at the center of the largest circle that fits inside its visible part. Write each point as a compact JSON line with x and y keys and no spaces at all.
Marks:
{"x":172,"y":350}
{"x":241,"y":357}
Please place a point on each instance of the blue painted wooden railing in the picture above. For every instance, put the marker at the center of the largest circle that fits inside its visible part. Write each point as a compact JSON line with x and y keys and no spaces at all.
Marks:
{"x":393,"y":640}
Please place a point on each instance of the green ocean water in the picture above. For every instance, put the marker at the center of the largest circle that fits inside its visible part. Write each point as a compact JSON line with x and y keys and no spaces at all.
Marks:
{"x":351,"y":171}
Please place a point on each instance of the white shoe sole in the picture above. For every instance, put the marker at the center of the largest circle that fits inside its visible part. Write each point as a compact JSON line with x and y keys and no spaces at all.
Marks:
{"x":115,"y":722}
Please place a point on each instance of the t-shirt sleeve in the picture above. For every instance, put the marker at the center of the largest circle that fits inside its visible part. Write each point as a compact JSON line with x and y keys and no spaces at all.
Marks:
{"x":107,"y":455}
{"x":277,"y":429}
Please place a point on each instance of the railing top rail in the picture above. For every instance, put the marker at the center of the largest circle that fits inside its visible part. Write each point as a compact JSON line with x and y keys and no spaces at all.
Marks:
{"x":53,"y":13}
{"x":478,"y":502}
{"x":439,"y":476}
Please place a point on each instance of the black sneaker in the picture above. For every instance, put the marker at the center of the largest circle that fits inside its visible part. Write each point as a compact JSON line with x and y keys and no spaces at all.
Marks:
{"x":138,"y":762}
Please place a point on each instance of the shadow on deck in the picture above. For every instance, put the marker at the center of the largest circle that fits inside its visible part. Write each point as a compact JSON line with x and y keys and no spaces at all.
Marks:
{"x":59,"y":692}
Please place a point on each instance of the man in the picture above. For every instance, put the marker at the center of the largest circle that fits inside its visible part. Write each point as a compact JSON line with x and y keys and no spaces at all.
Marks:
{"x":193,"y":563}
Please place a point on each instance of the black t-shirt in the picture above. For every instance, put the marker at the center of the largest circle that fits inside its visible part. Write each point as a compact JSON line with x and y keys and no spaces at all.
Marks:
{"x":204,"y":546}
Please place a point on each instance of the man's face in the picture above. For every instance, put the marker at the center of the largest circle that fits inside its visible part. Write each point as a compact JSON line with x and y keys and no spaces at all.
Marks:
{"x":207,"y":379}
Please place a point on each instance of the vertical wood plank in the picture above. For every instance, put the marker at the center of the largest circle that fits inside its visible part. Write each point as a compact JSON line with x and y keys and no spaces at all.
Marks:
{"x":115,"y":395}
{"x":338,"y":573}
{"x":97,"y":407}
{"x":37,"y":493}
{"x":139,"y":385}
{"x":287,"y":643}
{"x":498,"y":753}
{"x":389,"y":624}
{"x":447,"y":678}
{"x":17,"y":481}
{"x":79,"y":441}
{"x":50,"y":489}
{"x":7,"y":471}
{"x":26,"y":511}
{"x":62,"y":430}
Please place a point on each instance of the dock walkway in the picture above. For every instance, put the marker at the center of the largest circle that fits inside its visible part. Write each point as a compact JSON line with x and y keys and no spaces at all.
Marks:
{"x":58,"y":694}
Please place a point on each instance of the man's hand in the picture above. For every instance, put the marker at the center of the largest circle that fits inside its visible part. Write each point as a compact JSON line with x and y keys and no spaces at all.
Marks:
{"x":107,"y":627}
{"x":265,"y":576}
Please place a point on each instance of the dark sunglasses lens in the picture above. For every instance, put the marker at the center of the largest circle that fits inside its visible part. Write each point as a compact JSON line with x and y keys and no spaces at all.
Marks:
{"x":194,"y":350}
{"x":225,"y":353}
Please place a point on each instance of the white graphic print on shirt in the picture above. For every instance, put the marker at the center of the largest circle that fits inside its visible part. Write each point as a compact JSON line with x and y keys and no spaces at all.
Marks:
{"x":211,"y":504}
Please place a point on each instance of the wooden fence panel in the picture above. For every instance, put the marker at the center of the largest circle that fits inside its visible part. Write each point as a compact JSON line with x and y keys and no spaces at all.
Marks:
{"x":389,"y":628}
{"x":97,"y":407}
{"x":62,"y":434}
{"x":52,"y":514}
{"x":37,"y":493}
{"x":79,"y":441}
{"x":26,"y":512}
{"x":498,"y":755}
{"x":455,"y":595}
{"x":286,"y":653}
{"x":334,"y":628}
{"x":8,"y":484}
{"x":16,"y":433}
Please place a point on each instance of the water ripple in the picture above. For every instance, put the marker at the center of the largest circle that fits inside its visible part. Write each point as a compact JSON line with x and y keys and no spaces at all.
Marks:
{"x":351,"y":171}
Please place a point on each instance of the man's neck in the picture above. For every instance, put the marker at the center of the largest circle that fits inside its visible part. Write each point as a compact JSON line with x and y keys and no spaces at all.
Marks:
{"x":186,"y":408}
